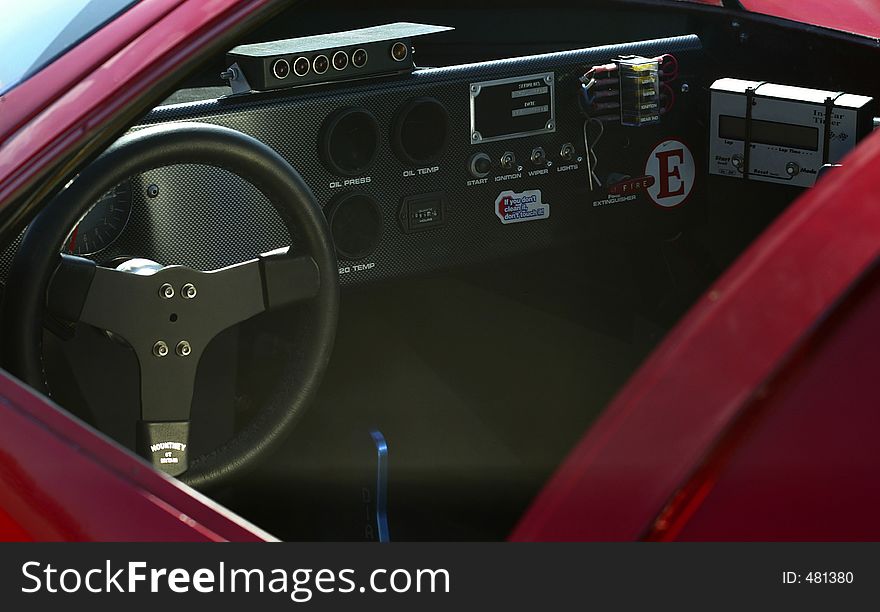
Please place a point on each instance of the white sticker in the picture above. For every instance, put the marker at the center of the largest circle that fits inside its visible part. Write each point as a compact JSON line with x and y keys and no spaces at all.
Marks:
{"x":672,"y":167}
{"x":513,"y":207}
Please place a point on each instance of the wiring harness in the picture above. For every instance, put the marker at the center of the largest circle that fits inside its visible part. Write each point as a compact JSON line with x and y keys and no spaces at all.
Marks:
{"x":601,"y":101}
{"x":600,"y":88}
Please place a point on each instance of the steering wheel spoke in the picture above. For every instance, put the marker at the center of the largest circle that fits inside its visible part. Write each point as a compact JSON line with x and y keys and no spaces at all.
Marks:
{"x":144,"y":309}
{"x":165,"y":444}
{"x":288,"y":279}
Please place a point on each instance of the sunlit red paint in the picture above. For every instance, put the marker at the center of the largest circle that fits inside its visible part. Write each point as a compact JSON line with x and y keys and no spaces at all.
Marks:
{"x":646,"y":450}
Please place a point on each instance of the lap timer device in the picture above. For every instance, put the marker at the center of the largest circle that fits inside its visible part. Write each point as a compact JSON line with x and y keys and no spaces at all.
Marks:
{"x":781,"y":134}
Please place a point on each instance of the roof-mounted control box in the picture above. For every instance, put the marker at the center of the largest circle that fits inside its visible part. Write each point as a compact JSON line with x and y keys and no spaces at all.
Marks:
{"x":342,"y":56}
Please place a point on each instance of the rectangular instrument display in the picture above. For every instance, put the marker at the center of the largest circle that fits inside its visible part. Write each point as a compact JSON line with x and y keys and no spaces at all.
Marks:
{"x":769,"y":133}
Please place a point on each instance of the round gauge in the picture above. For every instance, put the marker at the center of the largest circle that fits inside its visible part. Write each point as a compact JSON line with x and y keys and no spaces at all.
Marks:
{"x":103,"y":224}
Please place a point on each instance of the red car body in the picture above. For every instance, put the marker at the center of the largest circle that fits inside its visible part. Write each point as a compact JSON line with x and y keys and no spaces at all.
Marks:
{"x":753,"y":420}
{"x":102,"y":492}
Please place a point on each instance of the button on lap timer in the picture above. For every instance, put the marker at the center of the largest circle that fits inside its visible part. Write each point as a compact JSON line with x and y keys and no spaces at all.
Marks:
{"x":737,"y":161}
{"x":792,"y":169}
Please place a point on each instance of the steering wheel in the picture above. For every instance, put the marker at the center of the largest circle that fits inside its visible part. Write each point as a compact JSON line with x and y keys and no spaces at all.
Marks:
{"x":168,"y":315}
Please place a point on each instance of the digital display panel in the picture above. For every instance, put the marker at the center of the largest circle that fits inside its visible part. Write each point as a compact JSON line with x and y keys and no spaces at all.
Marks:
{"x":769,"y":133}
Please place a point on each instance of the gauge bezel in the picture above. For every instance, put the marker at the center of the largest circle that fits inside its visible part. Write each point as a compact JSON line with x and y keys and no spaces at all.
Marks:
{"x":122,"y":193}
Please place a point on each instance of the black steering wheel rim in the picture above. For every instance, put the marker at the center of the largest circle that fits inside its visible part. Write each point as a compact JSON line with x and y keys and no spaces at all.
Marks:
{"x":38,"y":258}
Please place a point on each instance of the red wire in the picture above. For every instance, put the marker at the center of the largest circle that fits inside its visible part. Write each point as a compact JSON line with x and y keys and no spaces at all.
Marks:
{"x":670,"y":61}
{"x":670,"y":97}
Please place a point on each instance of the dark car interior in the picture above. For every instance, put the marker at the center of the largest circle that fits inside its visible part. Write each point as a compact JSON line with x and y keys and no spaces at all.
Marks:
{"x":516,"y":223}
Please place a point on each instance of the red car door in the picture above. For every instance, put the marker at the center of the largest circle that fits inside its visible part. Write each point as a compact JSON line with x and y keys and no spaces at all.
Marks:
{"x":49,"y":124}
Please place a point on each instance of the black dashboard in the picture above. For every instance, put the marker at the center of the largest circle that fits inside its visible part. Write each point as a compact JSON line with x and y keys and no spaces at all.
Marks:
{"x":406,"y":181}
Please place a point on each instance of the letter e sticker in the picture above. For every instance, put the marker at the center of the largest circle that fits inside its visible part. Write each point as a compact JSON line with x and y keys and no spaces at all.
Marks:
{"x":672,"y":166}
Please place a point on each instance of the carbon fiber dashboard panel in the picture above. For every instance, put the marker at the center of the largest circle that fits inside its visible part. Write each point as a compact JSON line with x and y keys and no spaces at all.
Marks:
{"x":206,"y":218}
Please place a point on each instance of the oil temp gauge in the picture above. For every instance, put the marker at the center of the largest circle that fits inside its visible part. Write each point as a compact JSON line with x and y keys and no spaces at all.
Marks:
{"x":103,"y":224}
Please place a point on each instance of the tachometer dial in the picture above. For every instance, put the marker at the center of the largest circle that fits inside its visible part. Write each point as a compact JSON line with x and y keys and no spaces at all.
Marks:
{"x":103,"y":224}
